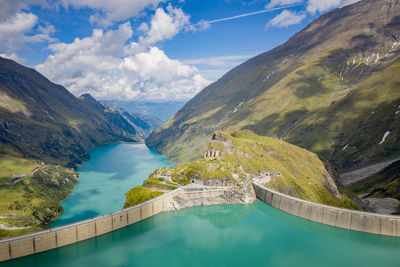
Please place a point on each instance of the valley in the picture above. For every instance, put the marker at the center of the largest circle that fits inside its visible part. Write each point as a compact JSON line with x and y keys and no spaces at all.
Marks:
{"x":45,"y":134}
{"x":117,"y":167}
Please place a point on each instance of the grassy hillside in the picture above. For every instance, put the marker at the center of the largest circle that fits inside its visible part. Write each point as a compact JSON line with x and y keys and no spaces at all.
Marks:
{"x":333,"y":88}
{"x":140,"y":194}
{"x":10,"y":166}
{"x":243,"y":156}
{"x":30,"y":204}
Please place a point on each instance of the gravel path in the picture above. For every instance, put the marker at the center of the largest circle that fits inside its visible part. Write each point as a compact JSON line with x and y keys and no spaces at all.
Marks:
{"x":357,"y":175}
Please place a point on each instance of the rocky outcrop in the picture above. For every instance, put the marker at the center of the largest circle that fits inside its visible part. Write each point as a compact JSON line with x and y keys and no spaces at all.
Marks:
{"x":211,"y":195}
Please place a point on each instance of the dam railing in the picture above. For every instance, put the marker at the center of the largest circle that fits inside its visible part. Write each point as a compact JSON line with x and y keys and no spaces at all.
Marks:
{"x":342,"y":218}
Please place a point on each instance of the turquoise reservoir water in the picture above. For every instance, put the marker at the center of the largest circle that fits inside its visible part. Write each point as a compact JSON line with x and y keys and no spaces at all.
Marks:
{"x":224,"y":235}
{"x":104,"y":179}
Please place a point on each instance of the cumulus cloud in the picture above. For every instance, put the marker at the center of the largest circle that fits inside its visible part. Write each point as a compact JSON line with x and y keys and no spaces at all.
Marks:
{"x":113,"y":11}
{"x":287,"y":18}
{"x":274,"y":3}
{"x":10,"y":7}
{"x":165,"y":25}
{"x":14,"y":33}
{"x":314,"y":6}
{"x":13,"y":56}
{"x":108,"y":66}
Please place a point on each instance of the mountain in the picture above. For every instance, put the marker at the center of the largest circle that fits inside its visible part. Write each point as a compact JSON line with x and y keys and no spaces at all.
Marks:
{"x":135,"y":122}
{"x":333,"y":88}
{"x":161,"y":110}
{"x":44,"y":121}
{"x":235,"y":160}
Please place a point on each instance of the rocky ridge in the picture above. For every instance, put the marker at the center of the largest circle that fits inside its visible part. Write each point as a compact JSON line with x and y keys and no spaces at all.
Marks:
{"x":232,"y":162}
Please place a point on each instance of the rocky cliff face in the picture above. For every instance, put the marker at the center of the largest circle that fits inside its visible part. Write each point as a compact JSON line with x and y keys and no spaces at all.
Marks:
{"x":42,"y":120}
{"x":332,"y":88}
{"x":225,"y":195}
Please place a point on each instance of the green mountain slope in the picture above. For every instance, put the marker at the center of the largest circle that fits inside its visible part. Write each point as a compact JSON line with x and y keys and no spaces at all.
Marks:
{"x":332,"y":88}
{"x":31,"y":203}
{"x":42,"y":120}
{"x":234,"y":160}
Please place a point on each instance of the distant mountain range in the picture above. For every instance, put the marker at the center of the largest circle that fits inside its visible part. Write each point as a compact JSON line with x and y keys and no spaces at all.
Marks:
{"x":143,"y":124}
{"x":42,"y":120}
{"x":162,"y":110}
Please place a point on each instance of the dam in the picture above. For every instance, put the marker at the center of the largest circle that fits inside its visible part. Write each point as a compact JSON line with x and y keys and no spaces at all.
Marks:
{"x":69,"y":234}
{"x":76,"y":232}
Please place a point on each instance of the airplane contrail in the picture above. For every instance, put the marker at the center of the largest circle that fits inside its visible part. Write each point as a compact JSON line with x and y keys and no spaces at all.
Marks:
{"x":251,"y":13}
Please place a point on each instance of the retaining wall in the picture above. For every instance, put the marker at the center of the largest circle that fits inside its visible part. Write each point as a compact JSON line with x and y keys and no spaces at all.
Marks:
{"x":342,"y":218}
{"x":61,"y":236}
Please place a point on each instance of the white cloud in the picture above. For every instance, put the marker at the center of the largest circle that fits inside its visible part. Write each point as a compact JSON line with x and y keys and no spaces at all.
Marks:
{"x":113,"y":11}
{"x":274,"y":3}
{"x":161,"y":77}
{"x":222,"y":61}
{"x":202,"y":25}
{"x":213,"y":68}
{"x":165,"y":25}
{"x":143,"y":27}
{"x":314,"y":6}
{"x":13,"y":56}
{"x":14,"y":32}
{"x":287,"y":18}
{"x":107,"y":65}
{"x":10,"y":7}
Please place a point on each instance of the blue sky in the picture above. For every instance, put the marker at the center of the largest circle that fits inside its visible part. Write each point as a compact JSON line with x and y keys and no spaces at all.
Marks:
{"x":147,"y":49}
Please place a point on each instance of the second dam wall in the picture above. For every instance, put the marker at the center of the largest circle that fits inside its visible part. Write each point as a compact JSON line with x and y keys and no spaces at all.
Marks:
{"x":342,"y":218}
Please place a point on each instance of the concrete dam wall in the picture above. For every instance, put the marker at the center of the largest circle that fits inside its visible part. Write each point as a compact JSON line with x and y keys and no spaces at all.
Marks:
{"x":61,"y":236}
{"x":342,"y":218}
{"x":194,"y":195}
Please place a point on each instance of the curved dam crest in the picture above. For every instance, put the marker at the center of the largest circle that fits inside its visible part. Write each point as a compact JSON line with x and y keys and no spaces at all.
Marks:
{"x":66,"y":235}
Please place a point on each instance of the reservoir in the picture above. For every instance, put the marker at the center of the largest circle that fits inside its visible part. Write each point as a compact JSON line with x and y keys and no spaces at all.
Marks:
{"x":223,"y":235}
{"x":103,"y":180}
